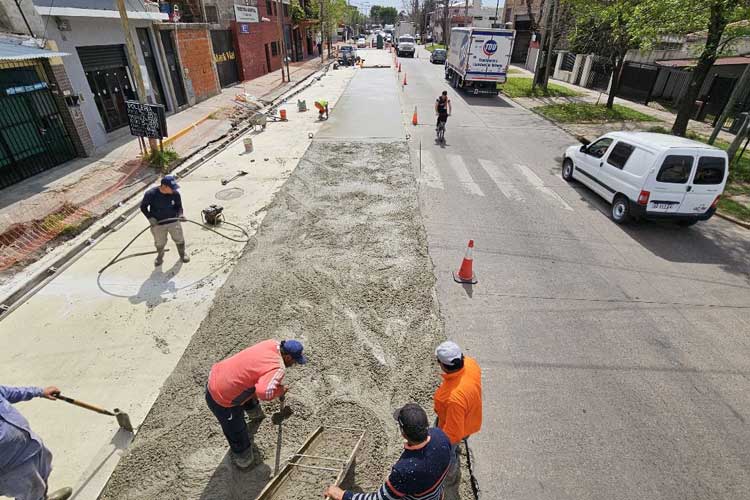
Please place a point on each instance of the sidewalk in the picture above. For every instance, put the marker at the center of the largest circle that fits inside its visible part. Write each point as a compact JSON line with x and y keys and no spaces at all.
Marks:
{"x":66,"y":199}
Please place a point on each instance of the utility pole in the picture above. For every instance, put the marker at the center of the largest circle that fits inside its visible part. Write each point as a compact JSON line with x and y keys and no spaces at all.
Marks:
{"x":284,"y":57}
{"x":738,"y":90}
{"x":555,"y":16}
{"x":135,"y":65}
{"x":537,"y":63}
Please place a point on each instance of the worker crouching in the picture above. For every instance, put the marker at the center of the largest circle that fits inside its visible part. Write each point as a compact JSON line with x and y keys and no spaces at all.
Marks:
{"x":162,"y":206}
{"x":237,"y":383}
{"x":322,"y":107}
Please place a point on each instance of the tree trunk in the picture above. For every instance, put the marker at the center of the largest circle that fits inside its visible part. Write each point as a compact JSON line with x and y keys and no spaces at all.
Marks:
{"x":716,"y":25}
{"x":616,"y":78}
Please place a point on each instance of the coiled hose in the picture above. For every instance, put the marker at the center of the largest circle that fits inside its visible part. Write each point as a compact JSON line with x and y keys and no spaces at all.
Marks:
{"x":180,"y":219}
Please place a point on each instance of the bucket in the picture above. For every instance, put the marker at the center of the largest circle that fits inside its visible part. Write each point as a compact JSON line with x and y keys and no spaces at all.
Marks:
{"x":282,"y":113}
{"x":248,"y":144}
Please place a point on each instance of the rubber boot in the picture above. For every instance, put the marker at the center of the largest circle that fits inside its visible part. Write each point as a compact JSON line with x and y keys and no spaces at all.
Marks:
{"x":245,"y":459}
{"x":183,"y":254}
{"x":62,"y":494}
{"x":159,"y":257}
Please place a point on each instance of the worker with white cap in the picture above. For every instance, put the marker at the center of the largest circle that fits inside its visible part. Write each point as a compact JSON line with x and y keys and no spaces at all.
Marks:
{"x":458,"y":404}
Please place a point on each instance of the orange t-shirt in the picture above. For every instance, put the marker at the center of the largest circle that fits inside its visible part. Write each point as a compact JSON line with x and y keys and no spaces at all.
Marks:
{"x":458,"y":401}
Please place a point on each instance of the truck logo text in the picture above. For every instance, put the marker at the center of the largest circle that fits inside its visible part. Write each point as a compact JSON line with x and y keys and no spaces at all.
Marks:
{"x":490,"y":47}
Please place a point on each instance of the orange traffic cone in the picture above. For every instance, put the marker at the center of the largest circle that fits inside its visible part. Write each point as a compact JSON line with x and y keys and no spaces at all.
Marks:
{"x":414,"y":120}
{"x":466,"y":273}
{"x":404,"y":78}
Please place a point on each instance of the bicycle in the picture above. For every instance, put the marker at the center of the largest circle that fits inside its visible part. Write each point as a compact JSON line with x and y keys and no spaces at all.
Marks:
{"x":441,"y":131}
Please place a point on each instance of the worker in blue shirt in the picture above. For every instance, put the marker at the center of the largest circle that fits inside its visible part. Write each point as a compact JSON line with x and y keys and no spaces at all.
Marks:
{"x":25,"y":463}
{"x":161,"y":203}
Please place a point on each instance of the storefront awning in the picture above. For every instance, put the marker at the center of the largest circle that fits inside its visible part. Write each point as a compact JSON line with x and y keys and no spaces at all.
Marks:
{"x":14,"y":52}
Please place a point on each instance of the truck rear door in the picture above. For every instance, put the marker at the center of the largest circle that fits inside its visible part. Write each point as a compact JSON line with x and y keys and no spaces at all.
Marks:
{"x":488,"y":55}
{"x":669,"y":183}
{"x":706,"y":184}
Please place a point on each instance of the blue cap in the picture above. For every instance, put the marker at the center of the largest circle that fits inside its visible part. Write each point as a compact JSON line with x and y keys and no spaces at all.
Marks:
{"x":170,"y":181}
{"x":294,"y":349}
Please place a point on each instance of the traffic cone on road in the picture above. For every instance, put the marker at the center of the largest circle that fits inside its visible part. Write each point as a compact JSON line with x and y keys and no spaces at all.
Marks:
{"x":466,"y":273}
{"x":405,"y":79}
{"x":414,"y":120}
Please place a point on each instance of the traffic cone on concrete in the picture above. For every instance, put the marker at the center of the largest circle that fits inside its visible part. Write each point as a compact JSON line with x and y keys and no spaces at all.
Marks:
{"x":405,"y":79}
{"x":399,"y":67}
{"x":466,"y":273}
{"x":414,"y":120}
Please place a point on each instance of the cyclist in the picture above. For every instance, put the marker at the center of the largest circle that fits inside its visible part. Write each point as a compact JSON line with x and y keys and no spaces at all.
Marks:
{"x":443,"y":109}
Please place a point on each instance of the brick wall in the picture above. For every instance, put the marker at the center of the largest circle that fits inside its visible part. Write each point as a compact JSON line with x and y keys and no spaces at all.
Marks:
{"x":250,"y":47}
{"x":197,"y":61}
{"x":71,"y":115}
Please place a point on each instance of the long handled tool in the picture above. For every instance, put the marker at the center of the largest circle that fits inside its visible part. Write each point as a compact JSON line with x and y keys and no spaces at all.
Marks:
{"x":278,"y":437}
{"x":239,"y":173}
{"x":122,"y":418}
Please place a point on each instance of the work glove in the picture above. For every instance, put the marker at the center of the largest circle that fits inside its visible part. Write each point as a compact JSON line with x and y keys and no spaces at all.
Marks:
{"x":153,"y":221}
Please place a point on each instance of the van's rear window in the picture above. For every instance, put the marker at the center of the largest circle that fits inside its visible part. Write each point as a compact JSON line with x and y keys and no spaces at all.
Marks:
{"x":710,"y":170}
{"x":675,"y":169}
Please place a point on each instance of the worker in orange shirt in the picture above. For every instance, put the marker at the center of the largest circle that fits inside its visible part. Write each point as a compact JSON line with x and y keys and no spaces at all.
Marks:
{"x":458,"y":405}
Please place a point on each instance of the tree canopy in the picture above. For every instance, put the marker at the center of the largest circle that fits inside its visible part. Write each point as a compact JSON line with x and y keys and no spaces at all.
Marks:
{"x":383,"y":15}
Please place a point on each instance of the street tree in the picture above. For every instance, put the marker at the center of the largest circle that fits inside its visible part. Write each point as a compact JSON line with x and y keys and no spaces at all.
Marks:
{"x":384,"y":15}
{"x":717,"y":20}
{"x":603,"y":27}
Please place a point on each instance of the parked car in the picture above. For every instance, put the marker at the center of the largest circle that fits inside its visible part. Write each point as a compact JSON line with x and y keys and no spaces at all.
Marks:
{"x":438,"y":56}
{"x":361,"y":43}
{"x":651,"y":176}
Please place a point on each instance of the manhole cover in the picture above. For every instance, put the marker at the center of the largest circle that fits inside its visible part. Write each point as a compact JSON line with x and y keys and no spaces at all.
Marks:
{"x":230,"y":193}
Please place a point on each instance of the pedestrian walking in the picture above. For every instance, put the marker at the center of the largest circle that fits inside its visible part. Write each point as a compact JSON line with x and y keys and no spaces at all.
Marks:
{"x":237,"y":383}
{"x":458,"y":405}
{"x":25,"y":463}
{"x":160,"y":204}
{"x":420,"y":471}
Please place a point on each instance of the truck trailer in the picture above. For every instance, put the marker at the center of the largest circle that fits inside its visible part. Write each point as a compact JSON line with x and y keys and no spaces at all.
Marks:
{"x":478,"y":59}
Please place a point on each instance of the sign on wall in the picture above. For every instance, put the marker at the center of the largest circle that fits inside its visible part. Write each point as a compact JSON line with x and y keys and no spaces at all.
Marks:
{"x":244,"y":28}
{"x":146,"y":120}
{"x":246,"y":14}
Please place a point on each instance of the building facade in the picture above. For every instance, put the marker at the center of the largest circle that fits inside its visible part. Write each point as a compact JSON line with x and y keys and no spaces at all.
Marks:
{"x":459,"y":15}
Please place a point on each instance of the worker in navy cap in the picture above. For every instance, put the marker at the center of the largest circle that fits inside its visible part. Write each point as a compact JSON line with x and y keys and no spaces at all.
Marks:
{"x":162,"y":206}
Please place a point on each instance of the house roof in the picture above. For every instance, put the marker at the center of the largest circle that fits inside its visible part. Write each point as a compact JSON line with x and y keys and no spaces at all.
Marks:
{"x":722,"y":61}
{"x":16,"y":52}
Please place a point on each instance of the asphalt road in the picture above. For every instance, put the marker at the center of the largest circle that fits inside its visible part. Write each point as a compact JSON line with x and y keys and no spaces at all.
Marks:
{"x":615,"y":359}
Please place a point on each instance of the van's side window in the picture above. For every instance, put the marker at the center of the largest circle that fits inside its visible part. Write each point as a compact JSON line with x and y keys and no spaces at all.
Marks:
{"x":710,"y":170}
{"x":599,"y":148}
{"x":675,"y":169}
{"x":620,"y":154}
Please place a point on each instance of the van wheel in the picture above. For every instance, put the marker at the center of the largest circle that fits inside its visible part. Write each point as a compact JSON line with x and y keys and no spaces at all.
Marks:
{"x":687,"y":223}
{"x":620,"y":210}
{"x":567,"y":170}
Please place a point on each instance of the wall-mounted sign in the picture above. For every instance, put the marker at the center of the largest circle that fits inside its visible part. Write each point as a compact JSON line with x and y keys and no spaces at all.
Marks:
{"x":244,"y":28}
{"x":246,"y":14}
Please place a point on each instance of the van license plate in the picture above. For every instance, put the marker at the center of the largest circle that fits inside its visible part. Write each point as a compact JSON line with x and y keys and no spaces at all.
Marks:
{"x":665,"y":206}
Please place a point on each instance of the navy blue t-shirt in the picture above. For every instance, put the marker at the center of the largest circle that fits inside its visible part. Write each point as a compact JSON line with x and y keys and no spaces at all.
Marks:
{"x":161,"y":206}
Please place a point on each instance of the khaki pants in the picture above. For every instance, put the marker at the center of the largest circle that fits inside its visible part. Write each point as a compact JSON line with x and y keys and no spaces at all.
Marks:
{"x":174,"y":229}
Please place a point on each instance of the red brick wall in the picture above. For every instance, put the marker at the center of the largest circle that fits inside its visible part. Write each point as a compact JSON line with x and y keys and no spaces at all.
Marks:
{"x":197,"y":60}
{"x":250,"y":47}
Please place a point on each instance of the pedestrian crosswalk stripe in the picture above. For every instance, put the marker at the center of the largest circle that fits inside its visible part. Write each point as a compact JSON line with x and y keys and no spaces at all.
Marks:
{"x":464,"y":177}
{"x":501,"y":180}
{"x":538,"y":184}
{"x":430,"y":174}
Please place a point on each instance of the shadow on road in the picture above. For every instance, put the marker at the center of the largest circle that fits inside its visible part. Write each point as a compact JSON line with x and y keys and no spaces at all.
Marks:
{"x":485,"y":101}
{"x":228,"y":481}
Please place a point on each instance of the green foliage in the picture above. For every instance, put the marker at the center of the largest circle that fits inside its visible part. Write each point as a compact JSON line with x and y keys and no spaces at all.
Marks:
{"x":297,"y":12}
{"x":333,"y":14}
{"x":383,"y":15}
{"x":434,"y":46}
{"x":583,"y":112}
{"x":163,"y":160}
{"x":521,"y":87}
{"x":734,"y":208}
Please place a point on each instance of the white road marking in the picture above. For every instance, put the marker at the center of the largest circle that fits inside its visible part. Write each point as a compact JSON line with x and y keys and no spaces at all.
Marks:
{"x":464,"y":177}
{"x":501,"y":180}
{"x":538,"y":184}
{"x":430,"y":174}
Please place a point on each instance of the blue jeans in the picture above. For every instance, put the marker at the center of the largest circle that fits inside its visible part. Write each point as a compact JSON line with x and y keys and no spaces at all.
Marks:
{"x":28,"y":480}
{"x":232,"y":421}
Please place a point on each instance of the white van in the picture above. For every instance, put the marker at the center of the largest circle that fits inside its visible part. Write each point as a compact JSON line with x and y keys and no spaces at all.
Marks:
{"x":646,"y":175}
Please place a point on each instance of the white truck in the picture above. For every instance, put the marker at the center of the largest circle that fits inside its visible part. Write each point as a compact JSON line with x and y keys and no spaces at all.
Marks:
{"x":404,"y":28}
{"x":406,"y":46}
{"x":478,"y":59}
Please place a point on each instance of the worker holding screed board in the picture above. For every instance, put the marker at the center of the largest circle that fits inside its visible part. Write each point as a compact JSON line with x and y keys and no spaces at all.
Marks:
{"x":458,"y":405}
{"x":25,"y":463}
{"x":420,"y":471}
{"x":237,"y":383}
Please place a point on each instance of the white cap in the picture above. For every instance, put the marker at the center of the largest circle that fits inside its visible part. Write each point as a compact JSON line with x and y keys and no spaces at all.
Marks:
{"x":447,"y":352}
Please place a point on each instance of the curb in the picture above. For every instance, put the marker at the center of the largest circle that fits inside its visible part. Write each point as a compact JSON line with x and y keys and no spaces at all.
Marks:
{"x":185,"y":130}
{"x":729,"y":218}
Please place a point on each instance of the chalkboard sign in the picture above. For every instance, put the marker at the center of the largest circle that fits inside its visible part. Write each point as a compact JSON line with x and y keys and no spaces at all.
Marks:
{"x":147,"y":120}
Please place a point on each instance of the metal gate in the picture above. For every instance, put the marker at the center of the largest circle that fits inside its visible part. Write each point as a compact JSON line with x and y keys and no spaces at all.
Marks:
{"x":716,"y":98}
{"x":637,"y":81}
{"x":33,"y":137}
{"x":224,"y":57}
